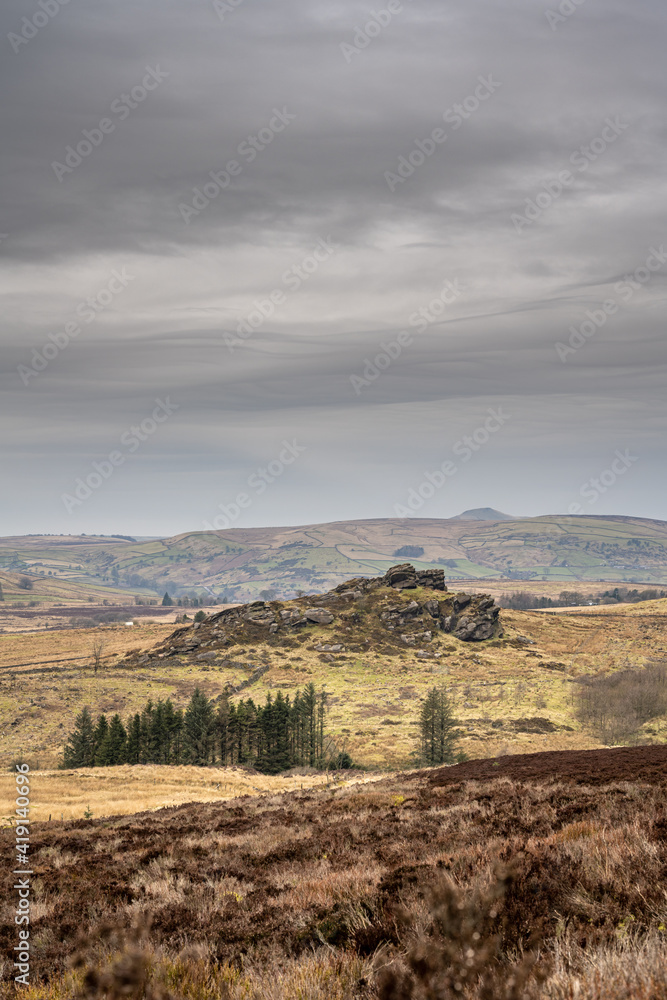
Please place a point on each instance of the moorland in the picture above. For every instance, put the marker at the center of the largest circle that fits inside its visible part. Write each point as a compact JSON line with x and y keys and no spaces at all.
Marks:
{"x":524,"y":877}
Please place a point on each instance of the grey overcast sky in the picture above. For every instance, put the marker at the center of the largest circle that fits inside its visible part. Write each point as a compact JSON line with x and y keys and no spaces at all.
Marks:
{"x":470,"y":194}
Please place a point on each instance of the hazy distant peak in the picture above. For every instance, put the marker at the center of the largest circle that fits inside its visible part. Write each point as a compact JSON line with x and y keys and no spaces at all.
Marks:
{"x":483,"y":514}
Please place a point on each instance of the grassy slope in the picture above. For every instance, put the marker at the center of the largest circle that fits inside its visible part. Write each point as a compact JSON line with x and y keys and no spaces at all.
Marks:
{"x":47,"y":591}
{"x":315,"y":558}
{"x":374,"y":698}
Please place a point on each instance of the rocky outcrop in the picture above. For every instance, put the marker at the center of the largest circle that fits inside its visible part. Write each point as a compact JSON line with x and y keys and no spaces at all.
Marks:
{"x":403,"y":577}
{"x":354,"y":617}
{"x":431,"y":579}
{"x":471,"y":618}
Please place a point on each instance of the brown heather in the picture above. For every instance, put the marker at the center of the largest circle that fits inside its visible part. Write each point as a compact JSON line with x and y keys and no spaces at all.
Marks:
{"x":533,"y":882}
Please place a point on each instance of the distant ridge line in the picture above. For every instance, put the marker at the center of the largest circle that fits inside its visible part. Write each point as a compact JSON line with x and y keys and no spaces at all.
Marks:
{"x":484,"y":514}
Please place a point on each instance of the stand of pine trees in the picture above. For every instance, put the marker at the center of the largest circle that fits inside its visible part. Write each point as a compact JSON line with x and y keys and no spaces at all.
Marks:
{"x":272,"y":737}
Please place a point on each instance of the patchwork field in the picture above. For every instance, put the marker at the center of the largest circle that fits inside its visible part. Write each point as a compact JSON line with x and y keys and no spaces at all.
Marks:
{"x":237,"y":564}
{"x":44,"y":592}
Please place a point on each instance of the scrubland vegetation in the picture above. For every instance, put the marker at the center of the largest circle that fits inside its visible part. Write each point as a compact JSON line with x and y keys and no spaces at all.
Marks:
{"x":445,"y":883}
{"x":524,"y":600}
{"x":616,"y":705}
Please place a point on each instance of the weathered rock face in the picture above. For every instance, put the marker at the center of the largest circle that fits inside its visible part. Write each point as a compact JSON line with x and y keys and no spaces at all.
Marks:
{"x":467,"y":617}
{"x":259,"y":613}
{"x":432,"y":579}
{"x":400,"y":577}
{"x":406,"y":577}
{"x":403,"y":577}
{"x":319,"y":616}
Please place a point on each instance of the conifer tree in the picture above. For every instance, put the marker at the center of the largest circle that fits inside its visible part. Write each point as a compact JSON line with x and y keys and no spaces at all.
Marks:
{"x":159,"y":736}
{"x":223,"y":727}
{"x":244,"y":732}
{"x":173,"y":728}
{"x":198,"y":729}
{"x":437,"y":732}
{"x":80,"y":748}
{"x":309,"y":710}
{"x":101,"y":731}
{"x":133,"y":748}
{"x":147,"y":748}
{"x":112,"y":749}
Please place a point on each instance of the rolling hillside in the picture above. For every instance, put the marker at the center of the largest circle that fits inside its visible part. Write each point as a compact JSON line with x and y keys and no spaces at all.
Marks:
{"x":240,"y":563}
{"x":377,"y":654}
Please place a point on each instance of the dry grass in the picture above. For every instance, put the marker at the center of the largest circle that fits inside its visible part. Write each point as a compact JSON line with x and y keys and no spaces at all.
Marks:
{"x":120,"y":791}
{"x":40,"y":647}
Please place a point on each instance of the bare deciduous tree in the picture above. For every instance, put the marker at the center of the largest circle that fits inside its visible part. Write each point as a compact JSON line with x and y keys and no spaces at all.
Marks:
{"x":96,"y":651}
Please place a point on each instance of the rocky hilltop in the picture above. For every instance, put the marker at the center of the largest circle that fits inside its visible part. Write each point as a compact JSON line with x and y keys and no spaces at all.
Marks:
{"x":405,"y":608}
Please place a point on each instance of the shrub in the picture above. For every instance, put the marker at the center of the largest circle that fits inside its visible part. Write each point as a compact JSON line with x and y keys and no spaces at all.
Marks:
{"x":617,"y":705}
{"x":20,"y":760}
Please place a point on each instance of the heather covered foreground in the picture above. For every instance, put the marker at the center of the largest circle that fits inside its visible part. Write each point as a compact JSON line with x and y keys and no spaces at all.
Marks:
{"x":474,"y":880}
{"x":591,"y":767}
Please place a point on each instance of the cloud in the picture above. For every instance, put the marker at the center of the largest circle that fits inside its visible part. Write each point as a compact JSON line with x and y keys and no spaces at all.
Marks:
{"x":323,"y":177}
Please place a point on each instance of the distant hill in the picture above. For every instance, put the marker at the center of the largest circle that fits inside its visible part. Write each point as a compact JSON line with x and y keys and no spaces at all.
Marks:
{"x":483,"y":514}
{"x":245,"y":564}
{"x":31,"y":589}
